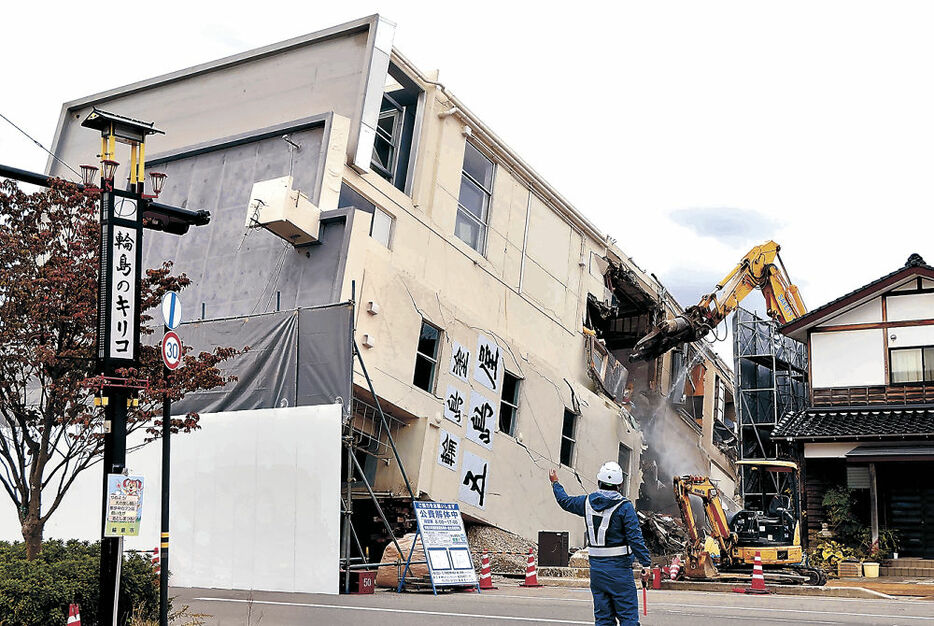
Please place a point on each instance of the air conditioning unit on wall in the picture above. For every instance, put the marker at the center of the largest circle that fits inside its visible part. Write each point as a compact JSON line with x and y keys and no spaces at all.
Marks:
{"x":284,"y":211}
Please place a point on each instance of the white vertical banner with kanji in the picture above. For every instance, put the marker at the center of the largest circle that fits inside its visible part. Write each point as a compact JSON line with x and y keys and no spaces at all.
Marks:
{"x":488,"y":370}
{"x":454,"y":405}
{"x":481,"y":420}
{"x":123,"y":294}
{"x":448,"y":450}
{"x":475,"y":476}
{"x":460,"y":361}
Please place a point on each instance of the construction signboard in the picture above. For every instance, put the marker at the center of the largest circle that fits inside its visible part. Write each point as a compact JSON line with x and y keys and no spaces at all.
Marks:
{"x":445,"y":542}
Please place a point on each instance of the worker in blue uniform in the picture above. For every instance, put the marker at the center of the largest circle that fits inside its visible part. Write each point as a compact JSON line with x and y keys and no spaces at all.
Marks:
{"x":615,"y":542}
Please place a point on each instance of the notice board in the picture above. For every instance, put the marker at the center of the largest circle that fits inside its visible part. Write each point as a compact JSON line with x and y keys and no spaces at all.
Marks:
{"x":445,"y":542}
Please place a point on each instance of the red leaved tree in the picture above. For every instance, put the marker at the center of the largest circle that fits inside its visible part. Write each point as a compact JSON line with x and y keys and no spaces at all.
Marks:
{"x":50,"y":430}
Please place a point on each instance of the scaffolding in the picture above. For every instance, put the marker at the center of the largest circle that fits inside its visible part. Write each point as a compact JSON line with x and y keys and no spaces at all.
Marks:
{"x":771,"y":380}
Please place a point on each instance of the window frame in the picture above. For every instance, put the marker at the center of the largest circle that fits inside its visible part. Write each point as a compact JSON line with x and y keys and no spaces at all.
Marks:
{"x":433,"y":380}
{"x":924,"y":367}
{"x":484,"y":223}
{"x":514,"y":405}
{"x":572,"y":438}
{"x":625,"y":468}
{"x":392,"y":227}
{"x":397,"y":111}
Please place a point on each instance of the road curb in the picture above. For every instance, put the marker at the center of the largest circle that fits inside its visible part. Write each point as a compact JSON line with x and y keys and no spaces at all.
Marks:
{"x":786,"y":590}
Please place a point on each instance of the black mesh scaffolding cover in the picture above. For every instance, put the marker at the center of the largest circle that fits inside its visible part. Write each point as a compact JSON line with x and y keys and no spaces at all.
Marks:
{"x":298,"y":357}
{"x":771,"y":375}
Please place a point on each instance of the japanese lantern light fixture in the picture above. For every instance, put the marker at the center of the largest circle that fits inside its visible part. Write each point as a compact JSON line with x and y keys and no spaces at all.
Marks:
{"x":88,"y":174}
{"x":110,"y":169}
{"x":157,"y":180}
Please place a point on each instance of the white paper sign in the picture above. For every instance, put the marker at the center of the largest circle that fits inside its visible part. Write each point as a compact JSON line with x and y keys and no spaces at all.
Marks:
{"x":460,"y":361}
{"x":454,"y":405}
{"x":123,"y":293}
{"x":488,"y":370}
{"x":475,"y":476}
{"x":448,"y":450}
{"x":481,"y":420}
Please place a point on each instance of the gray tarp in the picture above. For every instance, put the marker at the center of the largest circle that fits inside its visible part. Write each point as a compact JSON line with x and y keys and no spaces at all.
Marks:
{"x":298,"y":357}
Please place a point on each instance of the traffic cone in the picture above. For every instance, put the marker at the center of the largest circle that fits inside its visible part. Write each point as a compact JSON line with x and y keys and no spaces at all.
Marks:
{"x":486,"y":573}
{"x":675,"y":568}
{"x":156,"y":561}
{"x":74,"y":616}
{"x":531,"y":573}
{"x":758,"y":580}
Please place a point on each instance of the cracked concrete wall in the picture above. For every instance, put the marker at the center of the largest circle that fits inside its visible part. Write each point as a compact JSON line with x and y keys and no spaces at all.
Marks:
{"x":531,"y":307}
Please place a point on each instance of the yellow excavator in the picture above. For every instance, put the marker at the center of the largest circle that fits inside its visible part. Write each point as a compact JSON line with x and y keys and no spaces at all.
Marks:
{"x":757,"y":270}
{"x":774,"y":533}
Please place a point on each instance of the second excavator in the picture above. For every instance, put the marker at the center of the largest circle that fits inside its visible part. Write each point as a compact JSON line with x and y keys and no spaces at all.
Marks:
{"x":757,"y":270}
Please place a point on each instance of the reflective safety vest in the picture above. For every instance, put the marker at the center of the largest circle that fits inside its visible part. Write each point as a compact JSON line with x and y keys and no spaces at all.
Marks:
{"x":597,"y":536}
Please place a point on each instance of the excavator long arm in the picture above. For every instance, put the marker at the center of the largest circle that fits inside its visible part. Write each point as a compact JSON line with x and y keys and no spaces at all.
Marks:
{"x":757,"y":270}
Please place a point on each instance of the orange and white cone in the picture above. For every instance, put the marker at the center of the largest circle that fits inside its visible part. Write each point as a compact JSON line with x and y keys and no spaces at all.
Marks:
{"x":486,"y":572}
{"x":531,"y":573}
{"x":74,"y":616}
{"x":156,"y":561}
{"x":758,"y":580}
{"x":675,"y":568}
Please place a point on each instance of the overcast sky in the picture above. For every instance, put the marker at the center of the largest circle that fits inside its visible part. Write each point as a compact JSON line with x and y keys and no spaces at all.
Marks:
{"x":689,"y":131}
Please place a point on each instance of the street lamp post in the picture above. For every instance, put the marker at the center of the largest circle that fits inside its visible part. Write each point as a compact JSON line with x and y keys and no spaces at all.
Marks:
{"x":118,"y":319}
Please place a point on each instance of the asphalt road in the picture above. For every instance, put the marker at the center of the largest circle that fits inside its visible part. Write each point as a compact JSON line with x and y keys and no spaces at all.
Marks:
{"x":512,"y":605}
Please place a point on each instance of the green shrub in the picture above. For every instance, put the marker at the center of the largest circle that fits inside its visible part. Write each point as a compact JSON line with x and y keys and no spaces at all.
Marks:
{"x":38,"y":592}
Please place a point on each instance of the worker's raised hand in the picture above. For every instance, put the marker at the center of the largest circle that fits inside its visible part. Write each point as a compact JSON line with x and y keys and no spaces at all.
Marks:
{"x":553,"y":476}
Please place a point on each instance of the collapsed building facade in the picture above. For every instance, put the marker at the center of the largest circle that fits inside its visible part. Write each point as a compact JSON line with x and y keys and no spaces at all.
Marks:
{"x":355,"y":199}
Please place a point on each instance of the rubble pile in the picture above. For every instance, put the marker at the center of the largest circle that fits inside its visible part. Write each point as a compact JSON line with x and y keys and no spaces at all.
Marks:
{"x":663,"y":534}
{"x":508,"y":552}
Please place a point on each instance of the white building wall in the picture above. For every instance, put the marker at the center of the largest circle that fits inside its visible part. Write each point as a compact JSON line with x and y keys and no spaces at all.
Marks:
{"x":255,"y":501}
{"x":848,"y":358}
{"x":866,"y":313}
{"x":914,"y":306}
{"x":910,"y":336}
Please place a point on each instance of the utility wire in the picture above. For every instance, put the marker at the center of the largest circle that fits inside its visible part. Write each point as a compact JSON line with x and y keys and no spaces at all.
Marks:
{"x":51,"y":154}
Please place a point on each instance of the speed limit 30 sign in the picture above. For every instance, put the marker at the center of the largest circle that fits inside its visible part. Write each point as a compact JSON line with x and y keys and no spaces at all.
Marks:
{"x":171,"y":350}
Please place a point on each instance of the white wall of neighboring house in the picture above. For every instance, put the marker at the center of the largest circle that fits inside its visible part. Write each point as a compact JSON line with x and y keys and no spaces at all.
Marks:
{"x":850,"y":358}
{"x":255,"y":501}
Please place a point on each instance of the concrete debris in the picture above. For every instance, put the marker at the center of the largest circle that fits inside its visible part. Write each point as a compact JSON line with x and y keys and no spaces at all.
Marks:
{"x":663,"y":534}
{"x":508,"y":552}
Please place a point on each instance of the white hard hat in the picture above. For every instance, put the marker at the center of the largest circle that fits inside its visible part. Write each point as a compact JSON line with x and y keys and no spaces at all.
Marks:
{"x":610,"y":473}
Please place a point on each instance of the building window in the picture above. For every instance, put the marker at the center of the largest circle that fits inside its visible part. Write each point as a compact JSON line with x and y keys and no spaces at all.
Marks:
{"x":473,"y":202}
{"x":912,"y":365}
{"x":381,"y":227}
{"x":388,"y":136}
{"x":568,"y":437}
{"x":624,"y":458}
{"x":426,"y":357}
{"x":382,"y":224}
{"x":509,"y":406}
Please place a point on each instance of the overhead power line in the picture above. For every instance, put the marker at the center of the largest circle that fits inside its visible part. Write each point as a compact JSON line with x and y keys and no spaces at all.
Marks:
{"x":50,"y":153}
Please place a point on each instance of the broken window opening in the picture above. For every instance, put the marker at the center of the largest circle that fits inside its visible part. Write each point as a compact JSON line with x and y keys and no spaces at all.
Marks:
{"x":625,"y":312}
{"x":509,"y":405}
{"x":395,"y":128}
{"x":568,"y":437}
{"x":605,"y":370}
{"x":624,"y":458}
{"x":426,"y":357}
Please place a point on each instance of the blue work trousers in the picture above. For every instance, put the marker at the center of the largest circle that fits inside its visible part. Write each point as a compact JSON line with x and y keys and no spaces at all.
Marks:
{"x":614,"y":591}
